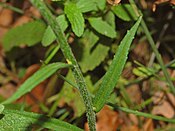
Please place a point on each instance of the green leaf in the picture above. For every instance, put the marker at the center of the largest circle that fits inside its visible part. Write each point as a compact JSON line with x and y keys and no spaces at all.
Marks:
{"x":125,"y":12}
{"x":49,"y":35}
{"x":71,"y":95}
{"x":35,"y":79}
{"x":110,"y":19}
{"x":115,"y":69}
{"x":101,"y":4}
{"x":102,"y":27}
{"x":1,"y":108}
{"x":86,"y":5}
{"x":142,"y":72}
{"x":75,"y":17}
{"x":14,"y":120}
{"x":88,"y":58}
{"x":29,"y":34}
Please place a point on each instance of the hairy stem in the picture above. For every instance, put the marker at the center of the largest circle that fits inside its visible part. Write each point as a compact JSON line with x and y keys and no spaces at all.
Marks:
{"x":65,"y":48}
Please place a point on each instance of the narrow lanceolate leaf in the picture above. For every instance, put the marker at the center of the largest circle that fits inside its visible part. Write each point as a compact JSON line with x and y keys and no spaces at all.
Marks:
{"x":29,"y":34}
{"x":112,"y":75}
{"x":102,"y":27}
{"x":35,"y":79}
{"x":14,"y":120}
{"x":75,"y":17}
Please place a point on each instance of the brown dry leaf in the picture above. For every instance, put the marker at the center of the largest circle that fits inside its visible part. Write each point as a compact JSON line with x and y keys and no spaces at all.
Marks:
{"x":33,"y":12}
{"x":134,"y":119}
{"x":172,"y":2}
{"x":129,"y":128}
{"x":158,"y":97}
{"x":164,"y":109}
{"x":148,"y":125}
{"x":134,"y":93}
{"x":6,"y":17}
{"x":7,"y":90}
{"x":142,"y":52}
{"x":107,"y":120}
{"x":22,"y":20}
{"x":113,"y":2}
{"x":157,"y":2}
{"x":171,"y":98}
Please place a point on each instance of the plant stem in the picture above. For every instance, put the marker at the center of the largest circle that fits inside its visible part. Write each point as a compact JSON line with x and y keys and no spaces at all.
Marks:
{"x":142,"y":114}
{"x":52,"y":54}
{"x":11,"y":7}
{"x":65,"y":48}
{"x":153,"y":46}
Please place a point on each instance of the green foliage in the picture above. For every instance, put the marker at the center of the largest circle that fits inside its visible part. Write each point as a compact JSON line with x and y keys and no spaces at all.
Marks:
{"x":124,"y":12}
{"x":101,"y":4}
{"x":75,"y":17}
{"x":102,"y":27}
{"x":112,"y":75}
{"x":28,"y":34}
{"x":71,"y":96}
{"x":49,"y":35}
{"x":86,"y":5}
{"x":110,"y":19}
{"x":96,"y":46}
{"x":14,"y":120}
{"x":1,"y":108}
{"x":90,"y":58}
{"x":35,"y":79}
{"x":135,"y":112}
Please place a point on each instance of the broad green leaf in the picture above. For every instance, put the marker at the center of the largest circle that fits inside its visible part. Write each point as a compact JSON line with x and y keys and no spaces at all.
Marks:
{"x":124,"y":12}
{"x":49,"y":35}
{"x":29,"y":34}
{"x":14,"y":120}
{"x":110,"y":19}
{"x":101,"y":4}
{"x":102,"y":27}
{"x":75,"y":17}
{"x":86,"y":5}
{"x":35,"y":79}
{"x":115,"y":69}
{"x":90,"y":58}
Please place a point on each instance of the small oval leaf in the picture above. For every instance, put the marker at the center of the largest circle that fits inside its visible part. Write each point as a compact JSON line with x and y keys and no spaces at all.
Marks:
{"x":86,"y":5}
{"x":102,"y":27}
{"x":75,"y":17}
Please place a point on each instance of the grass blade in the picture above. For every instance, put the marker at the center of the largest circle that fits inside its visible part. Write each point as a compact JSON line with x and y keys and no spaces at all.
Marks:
{"x":21,"y":120}
{"x":142,"y":114}
{"x":154,"y":48}
{"x":35,"y":79}
{"x":112,"y":75}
